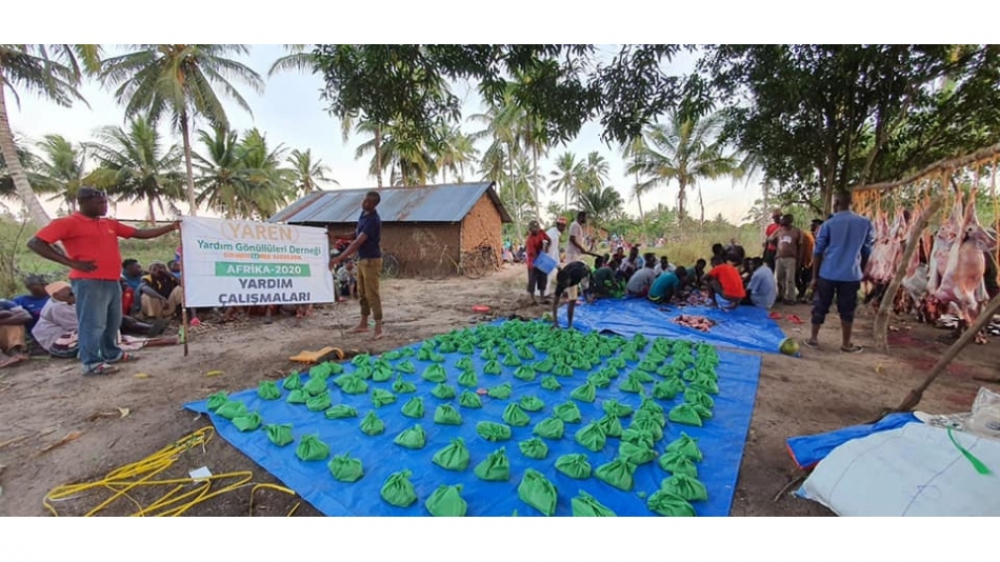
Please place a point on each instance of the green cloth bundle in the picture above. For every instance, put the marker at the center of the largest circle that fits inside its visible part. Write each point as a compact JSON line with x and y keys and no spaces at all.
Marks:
{"x":600,"y":379}
{"x":651,"y":405}
{"x":232,"y":409}
{"x":638,"y":437}
{"x":591,"y":436}
{"x":705,"y":385}
{"x":268,"y":390}
{"x":549,"y":382}
{"x":495,"y":468}
{"x":617,"y":473}
{"x":398,"y":490}
{"x":248,"y":422}
{"x":511,"y":360}
{"x":636,"y":454}
{"x":406,"y":367}
{"x":656,"y":358}
{"x":468,"y":379}
{"x":372,"y":425}
{"x":676,"y":463}
{"x":687,"y":446}
{"x":536,"y":491}
{"x":448,"y":346}
{"x":446,"y":414}
{"x":292,"y":382}
{"x":630,"y":355}
{"x":362,"y":360}
{"x":279,"y":434}
{"x":392,"y":355}
{"x":353,"y":385}
{"x":525,"y":373}
{"x":545,"y":365}
{"x":470,"y":400}
{"x":345,"y":469}
{"x":341,"y":411}
{"x":562,"y":370}
{"x":610,"y":425}
{"x":381,"y":373}
{"x":298,"y":396}
{"x":381,"y":397}
{"x":363,"y":372}
{"x":515,"y":416}
{"x":534,"y":448}
{"x":453,"y":457}
{"x":648,"y":424}
{"x":647,"y":365}
{"x":436,"y":357}
{"x":492,"y":431}
{"x":617,"y":409}
{"x":319,"y":403}
{"x":683,"y":486}
{"x":488,"y":355}
{"x":656,"y":416}
{"x":604,"y":350}
{"x":575,"y":466}
{"x":412,"y":438}
{"x":500,"y":392}
{"x":446,"y":501}
{"x":642,"y":376}
{"x":617,"y":363}
{"x":550,"y":428}
{"x":312,"y":449}
{"x":492,"y":367}
{"x":668,"y":388}
{"x":324,"y":370}
{"x":466,"y":348}
{"x":586,"y":505}
{"x":582,"y":362}
{"x":640,"y":341}
{"x":414,"y":408}
{"x":531,"y":403}
{"x":399,"y":386}
{"x":434,"y":373}
{"x":465,"y":364}
{"x":215,"y":401}
{"x":524,"y":352}
{"x":568,"y":412}
{"x":703,"y":412}
{"x":685,"y":414}
{"x":669,"y":505}
{"x":407,"y":352}
{"x":631,"y":384}
{"x":443,"y":391}
{"x":586,"y":392}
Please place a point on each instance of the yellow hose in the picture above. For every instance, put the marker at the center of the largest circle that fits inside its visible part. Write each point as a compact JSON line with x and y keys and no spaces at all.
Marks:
{"x":173,"y":502}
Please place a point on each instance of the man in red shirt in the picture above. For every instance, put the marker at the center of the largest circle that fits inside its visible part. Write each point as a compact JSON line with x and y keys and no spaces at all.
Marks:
{"x":92,"y":254}
{"x":725,"y":285}
{"x":770,"y":249}
{"x":537,"y":242}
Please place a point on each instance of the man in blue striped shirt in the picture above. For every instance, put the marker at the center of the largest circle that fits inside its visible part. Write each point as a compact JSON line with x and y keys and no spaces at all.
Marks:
{"x":843,"y":246}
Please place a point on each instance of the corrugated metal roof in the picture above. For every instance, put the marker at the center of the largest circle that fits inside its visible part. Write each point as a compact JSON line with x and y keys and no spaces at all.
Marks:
{"x":430,"y":203}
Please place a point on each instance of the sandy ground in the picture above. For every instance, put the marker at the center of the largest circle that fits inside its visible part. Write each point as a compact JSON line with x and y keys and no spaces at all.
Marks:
{"x":44,"y":400}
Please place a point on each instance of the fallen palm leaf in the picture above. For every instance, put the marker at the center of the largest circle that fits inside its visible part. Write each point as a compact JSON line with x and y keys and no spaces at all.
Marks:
{"x":68,"y":438}
{"x":141,"y":376}
{"x":213,"y":373}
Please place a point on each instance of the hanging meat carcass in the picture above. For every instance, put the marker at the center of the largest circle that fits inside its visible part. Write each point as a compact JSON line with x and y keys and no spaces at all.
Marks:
{"x":962,"y":288}
{"x":887,"y":252}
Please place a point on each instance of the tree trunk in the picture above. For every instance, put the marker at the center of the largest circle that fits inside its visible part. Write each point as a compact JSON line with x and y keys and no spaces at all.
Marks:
{"x":186,"y":135}
{"x":701,"y":203}
{"x":152,"y":214}
{"x":680,"y":201}
{"x":763,"y":218}
{"x":9,"y":150}
{"x":378,"y":155}
{"x":534,"y":181}
{"x":882,"y":316}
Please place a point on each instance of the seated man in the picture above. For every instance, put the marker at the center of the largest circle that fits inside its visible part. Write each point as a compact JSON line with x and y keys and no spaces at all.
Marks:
{"x":174,"y":266}
{"x":131,"y":281}
{"x":642,"y":280}
{"x":569,"y":280}
{"x":668,"y":285}
{"x":762,"y":289}
{"x":13,"y":321}
{"x":161,"y":293}
{"x":664,"y":266}
{"x":56,"y":331}
{"x":725,"y":286}
{"x":36,"y":298}
{"x":631,"y":264}
{"x":696,"y":277}
{"x":604,"y":283}
{"x":347,"y":280}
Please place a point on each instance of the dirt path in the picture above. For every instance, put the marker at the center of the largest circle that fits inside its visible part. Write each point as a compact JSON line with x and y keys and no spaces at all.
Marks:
{"x":44,"y":400}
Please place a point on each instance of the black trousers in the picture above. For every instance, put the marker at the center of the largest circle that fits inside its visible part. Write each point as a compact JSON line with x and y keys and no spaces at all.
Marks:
{"x":537,"y":280}
{"x":845,"y":293}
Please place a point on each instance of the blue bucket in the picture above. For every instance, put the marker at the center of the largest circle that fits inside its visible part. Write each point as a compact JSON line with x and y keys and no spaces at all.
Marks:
{"x":545,"y":263}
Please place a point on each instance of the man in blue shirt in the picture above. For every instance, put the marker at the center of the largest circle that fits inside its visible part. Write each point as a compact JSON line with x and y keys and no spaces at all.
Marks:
{"x":843,"y":246}
{"x":667,"y":285}
{"x":762,"y":289}
{"x":36,"y":298}
{"x":367,"y":238}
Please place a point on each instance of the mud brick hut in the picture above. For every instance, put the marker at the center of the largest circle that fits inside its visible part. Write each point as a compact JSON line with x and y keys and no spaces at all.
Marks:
{"x":418,"y":223}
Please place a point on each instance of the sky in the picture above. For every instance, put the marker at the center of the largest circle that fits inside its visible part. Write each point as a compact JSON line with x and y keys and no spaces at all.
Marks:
{"x":289,"y":111}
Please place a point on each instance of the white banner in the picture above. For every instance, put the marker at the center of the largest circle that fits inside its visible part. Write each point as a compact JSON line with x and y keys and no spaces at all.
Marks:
{"x":245,"y":263}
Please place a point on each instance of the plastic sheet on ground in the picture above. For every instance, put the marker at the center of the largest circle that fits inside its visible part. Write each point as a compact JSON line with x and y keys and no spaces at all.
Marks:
{"x":721,"y":439}
{"x":747,"y":327}
{"x":807,"y":450}
{"x":911,"y":471}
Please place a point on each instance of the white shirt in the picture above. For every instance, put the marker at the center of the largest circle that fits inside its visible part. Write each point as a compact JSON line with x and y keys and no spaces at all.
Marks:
{"x":659,"y":268}
{"x":572,"y":252}
{"x":56,"y":319}
{"x":553,"y":251}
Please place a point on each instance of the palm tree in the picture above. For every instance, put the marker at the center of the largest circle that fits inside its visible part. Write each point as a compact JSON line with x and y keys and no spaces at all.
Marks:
{"x":595,"y":169}
{"x":135,"y":166}
{"x":632,"y":152}
{"x":61,"y":169}
{"x":242,"y":178}
{"x":180,"y":81}
{"x":602,"y":204}
{"x":28,"y":162}
{"x":454,"y":152}
{"x":308,"y":173}
{"x":402,"y":150}
{"x":567,"y":177}
{"x":54,"y":72}
{"x":685,"y":150}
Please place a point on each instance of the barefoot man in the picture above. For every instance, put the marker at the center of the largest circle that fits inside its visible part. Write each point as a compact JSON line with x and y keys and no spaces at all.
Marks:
{"x":366,"y":244}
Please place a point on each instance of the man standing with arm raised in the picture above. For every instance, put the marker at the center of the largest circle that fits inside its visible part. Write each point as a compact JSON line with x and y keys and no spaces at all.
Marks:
{"x":367,"y":238}
{"x":94,"y":259}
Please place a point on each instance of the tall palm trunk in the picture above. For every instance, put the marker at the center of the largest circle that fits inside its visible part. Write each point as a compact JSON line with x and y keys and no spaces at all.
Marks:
{"x":186,"y":134}
{"x":378,"y":155}
{"x":152,"y":214}
{"x":701,"y":203}
{"x":534,"y":181}
{"x":35,"y":210}
{"x":680,"y":200}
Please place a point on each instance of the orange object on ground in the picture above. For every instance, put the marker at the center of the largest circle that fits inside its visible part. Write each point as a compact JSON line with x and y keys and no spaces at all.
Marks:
{"x":481,"y":309}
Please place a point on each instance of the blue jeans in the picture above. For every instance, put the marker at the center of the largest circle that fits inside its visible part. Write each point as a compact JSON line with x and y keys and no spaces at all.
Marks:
{"x":99,"y":317}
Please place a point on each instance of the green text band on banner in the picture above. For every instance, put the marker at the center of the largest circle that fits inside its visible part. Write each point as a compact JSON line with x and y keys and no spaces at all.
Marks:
{"x":245,"y":263}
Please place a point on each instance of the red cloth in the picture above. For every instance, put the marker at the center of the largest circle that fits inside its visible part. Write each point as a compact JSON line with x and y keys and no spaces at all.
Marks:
{"x":87,"y":239}
{"x":729,"y":278}
{"x":128,"y":299}
{"x":534,"y":245}
{"x":771,"y":229}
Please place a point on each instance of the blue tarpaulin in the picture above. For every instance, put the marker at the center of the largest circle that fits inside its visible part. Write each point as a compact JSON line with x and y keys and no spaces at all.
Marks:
{"x":808,"y":450}
{"x":747,"y":327}
{"x":721,"y":439}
